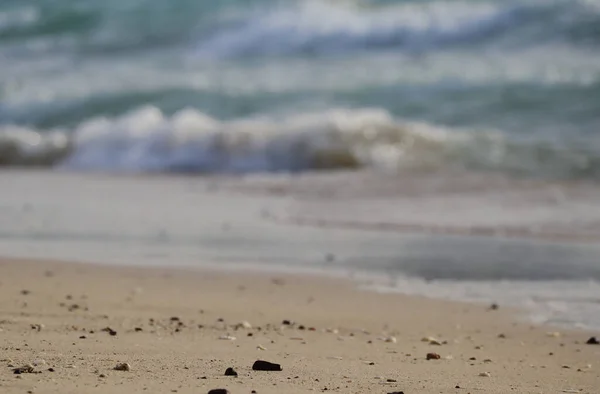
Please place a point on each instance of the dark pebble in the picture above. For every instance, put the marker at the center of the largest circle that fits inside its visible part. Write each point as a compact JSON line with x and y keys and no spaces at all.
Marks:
{"x":397,"y":392}
{"x":218,"y":391}
{"x":82,"y":337}
{"x":25,"y":369}
{"x":301,"y":327}
{"x":433,"y":356}
{"x":139,"y":329}
{"x":50,"y":369}
{"x":110,"y":331}
{"x":593,"y":341}
{"x":261,"y":365}
{"x":230,"y":372}
{"x":287,"y":322}
{"x":174,"y":318}
{"x":494,"y":307}
{"x":391,"y":380}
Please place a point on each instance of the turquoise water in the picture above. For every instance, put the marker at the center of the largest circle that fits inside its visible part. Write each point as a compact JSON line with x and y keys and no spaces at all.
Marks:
{"x":265,"y":85}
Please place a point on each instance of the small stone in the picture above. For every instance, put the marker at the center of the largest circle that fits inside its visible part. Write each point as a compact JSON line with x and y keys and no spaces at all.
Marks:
{"x":592,"y":341}
{"x":138,"y":329}
{"x":397,"y":392}
{"x":227,"y":338}
{"x":487,"y":360}
{"x":261,"y":347}
{"x":485,"y":375}
{"x":50,"y":369}
{"x":553,"y":334}
{"x":110,"y":331}
{"x":494,"y":307}
{"x":174,"y":318}
{"x":287,"y":323}
{"x":230,"y":372}
{"x":261,"y":365}
{"x":501,"y":336}
{"x":245,"y":325}
{"x":218,"y":391}
{"x":82,"y":337}
{"x":391,"y":339}
{"x":122,"y":367}
{"x":25,"y":292}
{"x":24,"y":369}
{"x":391,"y":380}
{"x":433,"y":356}
{"x":102,"y":375}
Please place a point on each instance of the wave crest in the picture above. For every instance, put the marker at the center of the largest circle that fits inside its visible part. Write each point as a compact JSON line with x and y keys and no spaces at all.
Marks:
{"x":146,"y":140}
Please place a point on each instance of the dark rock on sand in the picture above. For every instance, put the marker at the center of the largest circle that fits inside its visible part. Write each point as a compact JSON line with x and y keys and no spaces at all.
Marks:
{"x":230,"y":372}
{"x":433,"y":356}
{"x":593,"y":341}
{"x":218,"y":391}
{"x":24,"y":369}
{"x":261,"y":365}
{"x":110,"y":331}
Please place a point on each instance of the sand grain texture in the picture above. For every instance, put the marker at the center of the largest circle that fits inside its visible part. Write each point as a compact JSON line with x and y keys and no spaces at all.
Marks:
{"x":168,"y":330}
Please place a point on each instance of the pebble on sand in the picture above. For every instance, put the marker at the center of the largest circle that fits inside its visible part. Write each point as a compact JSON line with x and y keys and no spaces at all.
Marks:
{"x":485,"y":375}
{"x":218,"y":391}
{"x":230,"y":372}
{"x":24,"y":369}
{"x":593,"y":341}
{"x":433,"y":356}
{"x":261,"y":365}
{"x":122,"y":367}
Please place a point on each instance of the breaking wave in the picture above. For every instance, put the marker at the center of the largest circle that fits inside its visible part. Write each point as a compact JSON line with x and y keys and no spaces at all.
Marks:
{"x":147,"y":140}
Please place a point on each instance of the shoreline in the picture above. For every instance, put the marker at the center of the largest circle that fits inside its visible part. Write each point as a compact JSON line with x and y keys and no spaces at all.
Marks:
{"x":363,"y":341}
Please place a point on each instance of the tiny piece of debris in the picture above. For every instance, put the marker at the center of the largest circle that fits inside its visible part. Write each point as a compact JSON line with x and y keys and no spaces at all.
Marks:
{"x":391,"y":340}
{"x":122,"y":367}
{"x":230,"y":372}
{"x":261,"y":365}
{"x":218,"y":391}
{"x":485,"y":375}
{"x":110,"y":331}
{"x":494,"y":307}
{"x":24,"y":369}
{"x":433,"y":356}
{"x":227,"y":338}
{"x":391,"y":380}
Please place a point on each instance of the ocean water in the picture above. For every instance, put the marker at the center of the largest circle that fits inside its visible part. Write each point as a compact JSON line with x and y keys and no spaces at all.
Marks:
{"x":302,"y":85}
{"x":464,"y":135}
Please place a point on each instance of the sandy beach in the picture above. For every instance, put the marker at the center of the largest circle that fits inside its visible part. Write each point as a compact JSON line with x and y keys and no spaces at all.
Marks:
{"x":176,"y":330}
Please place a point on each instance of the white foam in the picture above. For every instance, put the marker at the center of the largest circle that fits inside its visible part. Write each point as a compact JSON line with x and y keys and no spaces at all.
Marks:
{"x":147,"y":140}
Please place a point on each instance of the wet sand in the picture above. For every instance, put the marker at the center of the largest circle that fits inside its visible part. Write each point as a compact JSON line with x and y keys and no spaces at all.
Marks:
{"x":168,"y":324}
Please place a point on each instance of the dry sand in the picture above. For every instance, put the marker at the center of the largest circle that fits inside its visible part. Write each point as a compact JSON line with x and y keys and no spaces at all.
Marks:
{"x":53,"y":315}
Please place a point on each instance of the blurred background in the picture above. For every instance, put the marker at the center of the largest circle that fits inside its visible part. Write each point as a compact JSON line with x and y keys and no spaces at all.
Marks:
{"x":300,"y":85}
{"x":448,"y":148}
